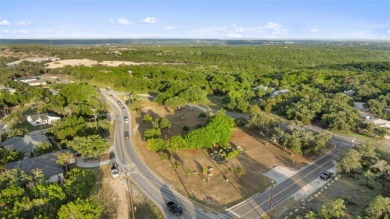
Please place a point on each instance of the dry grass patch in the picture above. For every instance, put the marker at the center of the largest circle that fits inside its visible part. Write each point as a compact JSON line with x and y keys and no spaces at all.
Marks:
{"x":222,"y":186}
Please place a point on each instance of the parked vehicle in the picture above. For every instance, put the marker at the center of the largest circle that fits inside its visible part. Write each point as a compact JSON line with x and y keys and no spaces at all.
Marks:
{"x":119,"y":102}
{"x":114,"y":170}
{"x":326,"y":176}
{"x":175,"y":208}
{"x":126,"y":119}
{"x":127,"y":135}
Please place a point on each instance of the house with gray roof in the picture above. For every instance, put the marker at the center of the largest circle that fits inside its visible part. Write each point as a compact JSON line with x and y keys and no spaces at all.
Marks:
{"x":46,"y":162}
{"x":27,"y":143}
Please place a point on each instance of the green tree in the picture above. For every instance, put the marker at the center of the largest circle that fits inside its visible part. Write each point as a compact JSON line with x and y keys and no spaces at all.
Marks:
{"x":188,"y":172}
{"x":64,"y":158}
{"x":335,"y":209}
{"x":43,"y":148}
{"x":79,"y":182}
{"x":11,"y":155}
{"x":176,"y":143}
{"x":10,"y":194}
{"x":351,"y":161}
{"x":152,"y":133}
{"x":91,"y":146}
{"x":176,"y":164}
{"x":164,"y":123}
{"x":80,"y":209}
{"x":147,"y":118}
{"x":163,"y":156}
{"x":378,"y":208}
{"x":156,"y":144}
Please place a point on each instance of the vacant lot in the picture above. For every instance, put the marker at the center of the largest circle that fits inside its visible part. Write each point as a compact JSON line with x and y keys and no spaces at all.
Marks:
{"x":259,"y":157}
{"x":88,"y":62}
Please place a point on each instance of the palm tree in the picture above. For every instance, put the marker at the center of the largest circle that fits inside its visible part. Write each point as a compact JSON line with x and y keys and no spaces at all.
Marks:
{"x":38,"y":174}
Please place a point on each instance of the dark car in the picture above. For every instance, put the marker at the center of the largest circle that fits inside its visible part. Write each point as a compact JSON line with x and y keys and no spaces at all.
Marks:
{"x":175,"y":208}
{"x":326,"y":176}
{"x":124,"y":108}
{"x":119,"y":102}
{"x":127,"y":135}
{"x":111,"y":95}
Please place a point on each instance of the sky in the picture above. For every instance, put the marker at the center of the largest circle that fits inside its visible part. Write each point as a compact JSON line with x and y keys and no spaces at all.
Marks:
{"x":203,"y":19}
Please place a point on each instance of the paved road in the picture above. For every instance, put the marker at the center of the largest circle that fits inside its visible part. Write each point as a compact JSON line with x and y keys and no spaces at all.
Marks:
{"x":254,"y":207}
{"x":152,"y":185}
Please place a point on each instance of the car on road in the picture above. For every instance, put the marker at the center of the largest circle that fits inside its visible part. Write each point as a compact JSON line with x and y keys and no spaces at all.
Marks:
{"x":114,"y":170}
{"x":126,"y":119}
{"x":127,"y":134}
{"x":175,"y":208}
{"x":326,"y":175}
{"x":111,"y":95}
{"x":124,"y":108}
{"x":119,"y":102}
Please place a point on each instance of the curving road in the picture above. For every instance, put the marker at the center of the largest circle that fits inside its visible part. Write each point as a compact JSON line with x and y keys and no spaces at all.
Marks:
{"x":160,"y":192}
{"x":151,"y":184}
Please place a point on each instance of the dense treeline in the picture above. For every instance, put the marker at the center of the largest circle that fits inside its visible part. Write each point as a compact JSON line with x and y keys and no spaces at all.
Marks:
{"x":315,"y":75}
{"x":217,"y":130}
{"x":47,"y":200}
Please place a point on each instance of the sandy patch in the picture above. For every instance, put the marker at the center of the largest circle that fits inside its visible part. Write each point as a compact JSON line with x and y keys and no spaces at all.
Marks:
{"x":88,"y":62}
{"x":312,"y":187}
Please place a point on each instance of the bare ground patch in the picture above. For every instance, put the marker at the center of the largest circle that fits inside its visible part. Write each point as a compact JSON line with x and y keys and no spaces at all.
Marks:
{"x":221,"y":188}
{"x":89,"y":62}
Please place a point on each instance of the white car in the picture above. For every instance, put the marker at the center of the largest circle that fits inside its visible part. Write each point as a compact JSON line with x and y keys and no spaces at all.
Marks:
{"x":126,"y":119}
{"x":114,"y":170}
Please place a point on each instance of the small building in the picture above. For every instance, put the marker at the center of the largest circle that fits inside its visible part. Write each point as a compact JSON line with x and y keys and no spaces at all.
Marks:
{"x":27,"y":143}
{"x":42,"y":119}
{"x":8,"y":89}
{"x":46,"y":162}
{"x":279,"y":92}
{"x":26,"y":79}
{"x":350,"y":92}
{"x":36,"y":83}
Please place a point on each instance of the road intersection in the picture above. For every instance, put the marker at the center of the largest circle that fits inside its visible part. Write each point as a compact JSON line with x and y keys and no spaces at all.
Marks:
{"x":160,"y":192}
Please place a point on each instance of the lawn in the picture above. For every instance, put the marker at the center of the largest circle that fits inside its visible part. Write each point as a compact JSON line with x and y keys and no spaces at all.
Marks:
{"x":222,"y":187}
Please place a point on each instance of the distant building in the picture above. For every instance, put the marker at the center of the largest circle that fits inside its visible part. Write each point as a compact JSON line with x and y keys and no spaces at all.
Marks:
{"x":26,"y":79}
{"x":350,"y":92}
{"x":8,"y":89}
{"x":279,"y":92}
{"x":37,"y":83}
{"x":27,"y":143}
{"x":42,"y":119}
{"x":46,"y":162}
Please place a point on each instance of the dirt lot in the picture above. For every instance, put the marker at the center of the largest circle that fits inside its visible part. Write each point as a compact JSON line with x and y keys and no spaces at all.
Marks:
{"x":88,"y":62}
{"x":259,"y":157}
{"x":354,"y":191}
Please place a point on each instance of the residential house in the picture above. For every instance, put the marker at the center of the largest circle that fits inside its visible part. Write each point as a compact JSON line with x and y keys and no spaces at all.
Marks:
{"x":279,"y":92}
{"x":350,"y":92}
{"x":26,"y":79}
{"x":27,"y":143}
{"x":42,"y":119}
{"x":37,"y":83}
{"x":46,"y":162}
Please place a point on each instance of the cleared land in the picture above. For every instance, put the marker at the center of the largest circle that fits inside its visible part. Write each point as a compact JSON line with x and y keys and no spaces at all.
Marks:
{"x":88,"y":62}
{"x":259,"y":157}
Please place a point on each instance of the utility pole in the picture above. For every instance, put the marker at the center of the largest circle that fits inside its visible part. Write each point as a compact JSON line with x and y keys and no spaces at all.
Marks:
{"x":127,"y":174}
{"x":95,"y":117}
{"x":270,"y":201}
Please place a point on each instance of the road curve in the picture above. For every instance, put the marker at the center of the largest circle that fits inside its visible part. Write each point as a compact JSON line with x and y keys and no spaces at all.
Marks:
{"x":155,"y":188}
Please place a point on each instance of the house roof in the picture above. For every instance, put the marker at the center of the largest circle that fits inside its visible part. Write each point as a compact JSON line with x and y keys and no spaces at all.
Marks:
{"x":47,"y":163}
{"x":26,"y":78}
{"x":43,"y":116}
{"x":27,"y":143}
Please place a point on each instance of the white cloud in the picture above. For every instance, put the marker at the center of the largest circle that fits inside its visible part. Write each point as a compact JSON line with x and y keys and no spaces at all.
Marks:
{"x":274,"y":28}
{"x":149,"y":20}
{"x":22,"y":31}
{"x":169,"y":27}
{"x":388,"y":31}
{"x":6,"y":31}
{"x":23,"y":23}
{"x":234,"y":35}
{"x":314,"y":30}
{"x":4,"y":23}
{"x":123,"y":21}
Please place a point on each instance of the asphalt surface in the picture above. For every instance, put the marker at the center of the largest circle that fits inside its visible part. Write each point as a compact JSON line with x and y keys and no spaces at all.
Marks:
{"x":254,"y":207}
{"x":150,"y":183}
